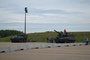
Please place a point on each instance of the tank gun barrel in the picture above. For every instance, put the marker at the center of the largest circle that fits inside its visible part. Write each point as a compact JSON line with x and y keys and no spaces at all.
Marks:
{"x":56,"y":31}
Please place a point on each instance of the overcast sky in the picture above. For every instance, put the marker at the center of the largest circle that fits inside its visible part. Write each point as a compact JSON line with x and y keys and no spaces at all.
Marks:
{"x":45,"y":11}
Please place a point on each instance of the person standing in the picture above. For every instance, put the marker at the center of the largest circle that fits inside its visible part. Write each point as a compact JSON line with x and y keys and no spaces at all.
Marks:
{"x":47,"y":40}
{"x":51,"y":39}
{"x":64,"y":30}
{"x":65,"y":33}
{"x":86,"y":41}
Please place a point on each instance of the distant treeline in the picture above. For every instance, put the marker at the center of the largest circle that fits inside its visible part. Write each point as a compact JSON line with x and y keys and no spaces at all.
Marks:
{"x":6,"y":33}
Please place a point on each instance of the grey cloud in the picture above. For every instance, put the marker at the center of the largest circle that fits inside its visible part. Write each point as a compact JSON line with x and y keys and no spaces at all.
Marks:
{"x":52,"y":11}
{"x":15,"y":6}
{"x":86,"y":1}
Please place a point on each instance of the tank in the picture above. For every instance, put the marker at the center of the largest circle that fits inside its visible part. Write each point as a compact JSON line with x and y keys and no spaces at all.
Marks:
{"x":64,"y":37}
{"x":19,"y":38}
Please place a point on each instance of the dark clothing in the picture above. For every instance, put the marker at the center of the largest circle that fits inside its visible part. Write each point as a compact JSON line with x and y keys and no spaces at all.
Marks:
{"x":51,"y":40}
{"x":47,"y":40}
{"x":61,"y":34}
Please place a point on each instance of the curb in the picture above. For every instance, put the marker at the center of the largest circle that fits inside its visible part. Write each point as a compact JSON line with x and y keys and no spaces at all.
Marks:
{"x":25,"y":47}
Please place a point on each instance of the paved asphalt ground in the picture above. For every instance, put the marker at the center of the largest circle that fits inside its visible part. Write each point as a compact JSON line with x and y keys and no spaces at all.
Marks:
{"x":57,"y":53}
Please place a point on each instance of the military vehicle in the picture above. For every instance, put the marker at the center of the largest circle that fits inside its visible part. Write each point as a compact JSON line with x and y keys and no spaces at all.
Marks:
{"x":19,"y":38}
{"x":64,"y":37}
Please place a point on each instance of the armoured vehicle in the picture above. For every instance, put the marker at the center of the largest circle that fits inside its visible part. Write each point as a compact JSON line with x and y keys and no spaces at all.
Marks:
{"x":64,"y":37}
{"x":19,"y":38}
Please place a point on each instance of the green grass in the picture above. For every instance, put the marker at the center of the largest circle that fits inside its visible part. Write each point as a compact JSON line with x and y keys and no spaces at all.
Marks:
{"x":41,"y":37}
{"x":5,"y":39}
{"x":81,"y":35}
